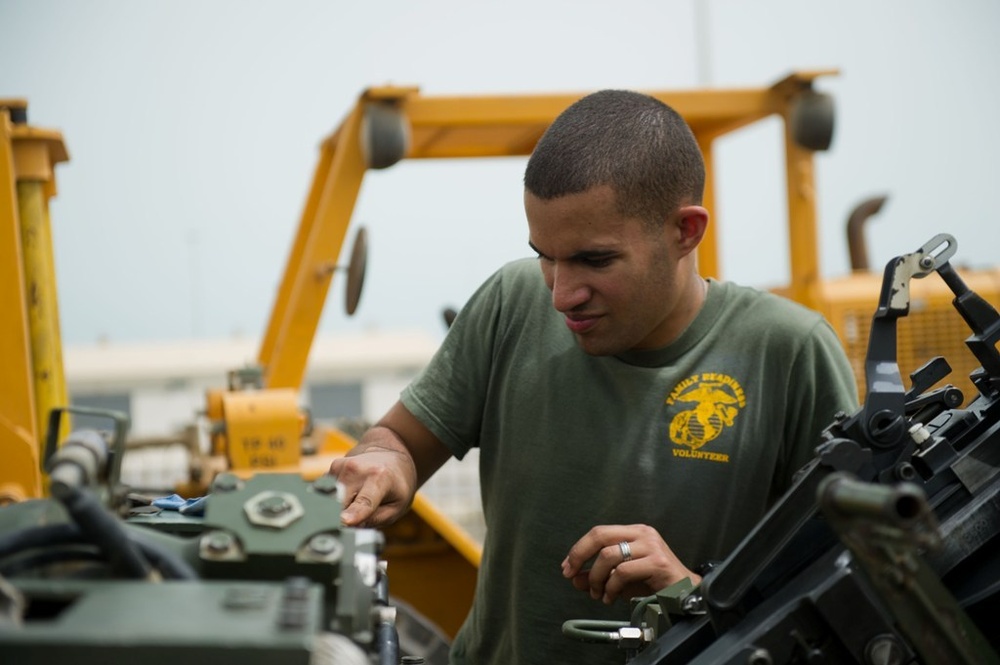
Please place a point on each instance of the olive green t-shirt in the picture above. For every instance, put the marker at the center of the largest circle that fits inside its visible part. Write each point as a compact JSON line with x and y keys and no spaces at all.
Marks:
{"x":696,"y":439}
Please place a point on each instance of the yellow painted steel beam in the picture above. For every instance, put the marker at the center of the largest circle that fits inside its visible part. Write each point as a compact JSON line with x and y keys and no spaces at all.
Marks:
{"x":280,"y":311}
{"x":36,"y":151}
{"x":510,"y":125}
{"x":19,"y":473}
{"x":708,"y":250}
{"x":445,"y":127}
{"x":313,"y":260}
{"x":43,"y":314}
{"x":803,"y":240}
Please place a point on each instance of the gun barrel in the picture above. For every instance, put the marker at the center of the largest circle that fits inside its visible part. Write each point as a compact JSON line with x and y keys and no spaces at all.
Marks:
{"x":900,"y":504}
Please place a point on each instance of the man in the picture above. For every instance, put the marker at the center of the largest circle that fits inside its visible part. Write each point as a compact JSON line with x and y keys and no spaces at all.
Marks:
{"x":619,"y":400}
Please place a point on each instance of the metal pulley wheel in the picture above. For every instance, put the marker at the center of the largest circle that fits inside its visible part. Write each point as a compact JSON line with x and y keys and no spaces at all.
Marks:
{"x":385,"y":135}
{"x":811,"y":120}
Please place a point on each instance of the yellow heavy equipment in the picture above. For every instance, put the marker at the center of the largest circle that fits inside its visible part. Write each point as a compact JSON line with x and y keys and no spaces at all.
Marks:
{"x":257,"y":423}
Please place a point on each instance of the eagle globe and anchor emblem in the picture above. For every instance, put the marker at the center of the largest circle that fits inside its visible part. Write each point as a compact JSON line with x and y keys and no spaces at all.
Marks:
{"x":715,"y":400}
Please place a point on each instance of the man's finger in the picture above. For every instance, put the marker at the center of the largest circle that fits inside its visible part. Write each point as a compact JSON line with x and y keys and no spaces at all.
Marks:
{"x":363,"y":505}
{"x":616,"y":582}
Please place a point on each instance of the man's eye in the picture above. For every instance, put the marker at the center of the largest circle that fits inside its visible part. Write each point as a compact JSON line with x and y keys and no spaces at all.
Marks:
{"x":598,"y":262}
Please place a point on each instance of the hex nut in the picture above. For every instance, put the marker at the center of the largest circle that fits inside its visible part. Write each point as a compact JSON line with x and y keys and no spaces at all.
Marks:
{"x":273,"y":509}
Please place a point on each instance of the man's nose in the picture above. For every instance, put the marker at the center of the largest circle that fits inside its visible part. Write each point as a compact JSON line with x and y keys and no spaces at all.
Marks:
{"x":568,"y":290}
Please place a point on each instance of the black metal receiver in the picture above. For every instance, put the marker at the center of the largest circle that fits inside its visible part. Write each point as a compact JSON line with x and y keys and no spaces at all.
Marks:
{"x":885,"y":550}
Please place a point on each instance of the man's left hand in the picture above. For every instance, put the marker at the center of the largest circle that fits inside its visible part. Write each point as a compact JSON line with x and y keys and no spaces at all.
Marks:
{"x":625,"y":561}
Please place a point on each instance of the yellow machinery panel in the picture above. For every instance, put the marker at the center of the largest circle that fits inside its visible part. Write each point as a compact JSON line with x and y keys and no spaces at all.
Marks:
{"x":264,"y":429}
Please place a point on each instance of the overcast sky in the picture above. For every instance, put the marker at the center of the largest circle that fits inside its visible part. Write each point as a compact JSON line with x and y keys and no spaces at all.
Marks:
{"x":193,"y":131}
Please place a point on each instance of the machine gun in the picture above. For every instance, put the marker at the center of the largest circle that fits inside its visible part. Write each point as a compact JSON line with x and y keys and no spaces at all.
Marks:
{"x":886,"y":549}
{"x":257,"y":571}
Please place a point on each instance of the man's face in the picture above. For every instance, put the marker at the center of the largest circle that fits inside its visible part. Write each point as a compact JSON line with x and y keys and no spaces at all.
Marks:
{"x":613,"y":278}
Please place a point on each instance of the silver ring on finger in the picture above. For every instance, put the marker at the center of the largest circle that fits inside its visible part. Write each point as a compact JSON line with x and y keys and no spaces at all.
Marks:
{"x":626,"y":551}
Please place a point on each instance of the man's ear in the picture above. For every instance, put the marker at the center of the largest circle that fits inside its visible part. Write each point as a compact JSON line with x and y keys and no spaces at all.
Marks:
{"x":691,"y":224}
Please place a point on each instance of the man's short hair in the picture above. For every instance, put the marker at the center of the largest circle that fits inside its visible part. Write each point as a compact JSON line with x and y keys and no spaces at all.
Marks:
{"x":630,"y":141}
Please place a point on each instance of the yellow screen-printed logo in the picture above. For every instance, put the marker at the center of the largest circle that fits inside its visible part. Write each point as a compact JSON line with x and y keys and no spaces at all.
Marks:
{"x":714,"y":401}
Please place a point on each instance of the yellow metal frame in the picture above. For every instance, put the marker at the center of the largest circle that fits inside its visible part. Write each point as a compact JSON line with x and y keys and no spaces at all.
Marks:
{"x":445,"y":127}
{"x":19,"y":474}
{"x":318,"y":241}
{"x":32,"y":382}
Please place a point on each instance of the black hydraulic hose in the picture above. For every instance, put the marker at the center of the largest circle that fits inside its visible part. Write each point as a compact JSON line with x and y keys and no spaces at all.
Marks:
{"x":72,"y":468}
{"x":170,"y":564}
{"x":39,"y":536}
{"x":37,"y":559}
{"x":101,"y":528}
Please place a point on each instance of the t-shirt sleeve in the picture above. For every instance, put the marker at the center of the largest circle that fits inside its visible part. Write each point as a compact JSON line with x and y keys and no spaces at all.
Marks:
{"x":449,"y":394}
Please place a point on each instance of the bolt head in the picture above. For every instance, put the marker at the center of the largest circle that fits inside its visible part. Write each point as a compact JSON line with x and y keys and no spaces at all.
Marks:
{"x":273,"y":509}
{"x":323,"y":543}
{"x":325,"y":484}
{"x":225,"y":482}
{"x":274,"y":506}
{"x":218,"y":541}
{"x":219,"y":545}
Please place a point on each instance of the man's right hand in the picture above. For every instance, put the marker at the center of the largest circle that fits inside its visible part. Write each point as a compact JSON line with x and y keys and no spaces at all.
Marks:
{"x":380,"y":476}
{"x":378,"y":483}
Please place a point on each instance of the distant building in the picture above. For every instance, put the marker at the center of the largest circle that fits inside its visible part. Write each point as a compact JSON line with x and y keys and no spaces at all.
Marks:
{"x":162,"y":385}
